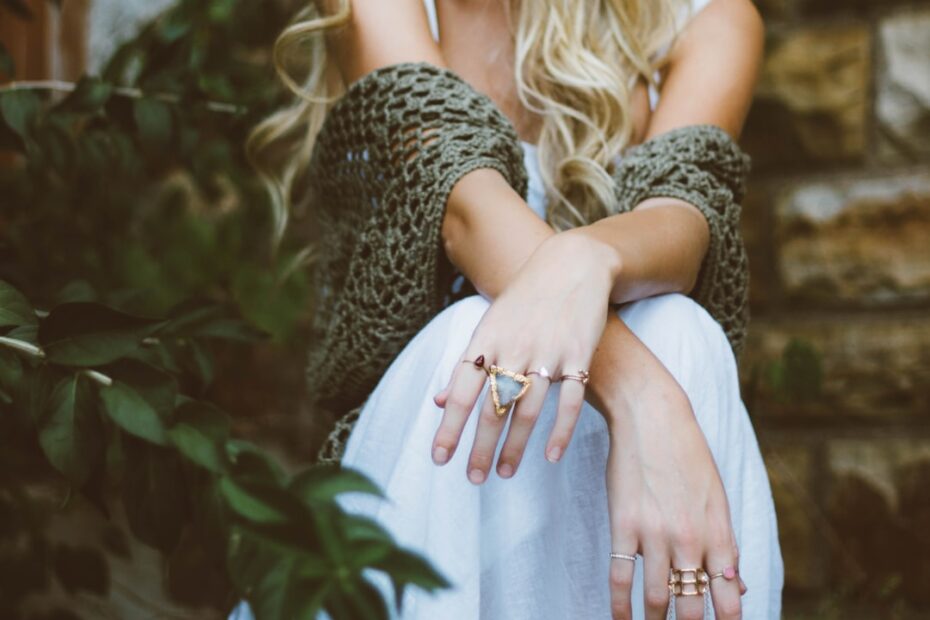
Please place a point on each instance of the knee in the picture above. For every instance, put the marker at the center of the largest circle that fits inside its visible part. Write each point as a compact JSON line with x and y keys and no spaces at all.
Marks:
{"x":678,"y":330}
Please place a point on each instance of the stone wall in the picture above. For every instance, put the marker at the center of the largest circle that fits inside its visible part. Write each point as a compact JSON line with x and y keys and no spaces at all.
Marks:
{"x":837,"y":369}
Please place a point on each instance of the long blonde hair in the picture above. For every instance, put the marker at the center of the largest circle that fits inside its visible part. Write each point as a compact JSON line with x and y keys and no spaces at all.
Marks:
{"x":577,"y":63}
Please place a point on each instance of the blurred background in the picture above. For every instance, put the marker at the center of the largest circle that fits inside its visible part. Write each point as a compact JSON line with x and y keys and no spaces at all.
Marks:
{"x":140,"y":198}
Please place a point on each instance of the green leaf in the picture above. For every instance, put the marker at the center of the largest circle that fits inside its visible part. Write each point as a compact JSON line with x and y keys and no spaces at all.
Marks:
{"x":221,"y":10}
{"x":174,"y":26}
{"x":407,"y":568}
{"x":274,"y":300}
{"x":365,"y":600}
{"x":36,"y":391}
{"x":803,"y":372}
{"x":89,"y":96}
{"x":15,"y":309}
{"x":322,"y":483}
{"x":26,"y":333}
{"x":249,"y":461}
{"x":7,"y":66}
{"x":90,"y":334}
{"x":70,"y":432}
{"x":274,"y":578}
{"x":133,"y":413}
{"x":11,"y":371}
{"x":19,"y":109}
{"x":76,"y":290}
{"x":153,"y":120}
{"x":199,"y":433}
{"x":155,"y":495}
{"x":259,"y":501}
{"x":209,"y":320}
{"x":157,"y":387}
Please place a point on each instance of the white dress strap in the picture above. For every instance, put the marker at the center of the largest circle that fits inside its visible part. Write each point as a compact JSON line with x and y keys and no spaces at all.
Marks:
{"x":432,"y":17}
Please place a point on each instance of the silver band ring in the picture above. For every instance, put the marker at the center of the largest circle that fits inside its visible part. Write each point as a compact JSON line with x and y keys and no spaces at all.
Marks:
{"x":622,"y":556}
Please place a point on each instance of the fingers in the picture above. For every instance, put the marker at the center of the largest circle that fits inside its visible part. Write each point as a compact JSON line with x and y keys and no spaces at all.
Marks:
{"x":621,"y":576}
{"x":460,"y":397}
{"x":490,"y":426}
{"x":522,"y":420}
{"x":571,"y":400}
{"x":727,"y":589}
{"x":621,"y":586}
{"x":655,"y":582}
{"x":688,"y":607}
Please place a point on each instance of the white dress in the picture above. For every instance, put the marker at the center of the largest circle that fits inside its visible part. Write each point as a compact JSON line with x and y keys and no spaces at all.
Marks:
{"x":535,"y":546}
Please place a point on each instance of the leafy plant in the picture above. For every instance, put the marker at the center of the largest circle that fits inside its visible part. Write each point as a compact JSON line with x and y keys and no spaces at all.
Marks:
{"x":96,"y":392}
{"x":797,"y":376}
{"x":127,"y":209}
{"x":145,"y":164}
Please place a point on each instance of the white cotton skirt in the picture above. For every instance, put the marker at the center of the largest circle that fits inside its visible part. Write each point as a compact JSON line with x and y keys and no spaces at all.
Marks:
{"x":535,"y":546}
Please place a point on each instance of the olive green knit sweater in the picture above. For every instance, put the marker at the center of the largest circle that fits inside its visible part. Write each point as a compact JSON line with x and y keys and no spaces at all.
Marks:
{"x":382,"y":168}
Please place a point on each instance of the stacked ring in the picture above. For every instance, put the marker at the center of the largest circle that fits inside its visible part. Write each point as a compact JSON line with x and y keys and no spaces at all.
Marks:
{"x":622,"y":556}
{"x":687,"y":581}
{"x":583,"y":377}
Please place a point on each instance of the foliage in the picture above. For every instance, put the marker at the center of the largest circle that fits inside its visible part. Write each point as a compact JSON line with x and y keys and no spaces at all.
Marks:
{"x":797,"y":376}
{"x":159,"y":201}
{"x":127,"y":199}
{"x":96,"y":392}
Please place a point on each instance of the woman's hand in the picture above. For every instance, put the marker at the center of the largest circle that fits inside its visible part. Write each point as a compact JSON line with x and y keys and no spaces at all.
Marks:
{"x":550,"y":316}
{"x":666,"y":499}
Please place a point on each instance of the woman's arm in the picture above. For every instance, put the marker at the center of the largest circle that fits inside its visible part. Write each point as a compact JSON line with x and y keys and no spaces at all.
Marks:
{"x":659,"y":245}
{"x":489,"y":232}
{"x":380,"y":34}
{"x":710,"y":79}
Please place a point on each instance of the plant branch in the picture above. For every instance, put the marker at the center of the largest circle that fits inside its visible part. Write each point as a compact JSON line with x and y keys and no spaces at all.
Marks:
{"x":122,"y":91}
{"x":22,"y":346}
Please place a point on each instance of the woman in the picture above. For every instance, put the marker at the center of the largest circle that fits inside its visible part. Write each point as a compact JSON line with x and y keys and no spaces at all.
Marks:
{"x":631,"y":437}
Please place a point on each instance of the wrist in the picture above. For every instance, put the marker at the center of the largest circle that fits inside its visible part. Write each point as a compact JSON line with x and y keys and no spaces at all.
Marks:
{"x":598,"y":241}
{"x":590,"y":250}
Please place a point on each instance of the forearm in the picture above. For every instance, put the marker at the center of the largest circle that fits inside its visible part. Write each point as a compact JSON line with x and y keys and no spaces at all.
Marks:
{"x":658,"y":247}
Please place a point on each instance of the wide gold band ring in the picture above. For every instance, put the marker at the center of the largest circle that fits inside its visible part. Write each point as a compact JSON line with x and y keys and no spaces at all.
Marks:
{"x":688,"y":581}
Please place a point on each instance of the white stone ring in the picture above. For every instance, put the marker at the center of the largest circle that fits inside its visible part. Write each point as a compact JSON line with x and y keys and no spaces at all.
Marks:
{"x":506,"y":386}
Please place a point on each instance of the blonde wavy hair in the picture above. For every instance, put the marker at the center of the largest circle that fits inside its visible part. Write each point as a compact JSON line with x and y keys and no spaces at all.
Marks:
{"x":576,"y":66}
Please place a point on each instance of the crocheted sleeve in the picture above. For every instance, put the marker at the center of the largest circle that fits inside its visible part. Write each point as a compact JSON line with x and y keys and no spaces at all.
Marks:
{"x":703,"y":166}
{"x":383,"y":165}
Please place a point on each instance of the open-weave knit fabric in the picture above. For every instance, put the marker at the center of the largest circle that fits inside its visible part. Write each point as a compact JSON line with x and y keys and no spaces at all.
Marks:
{"x":382,"y":168}
{"x":702,"y":165}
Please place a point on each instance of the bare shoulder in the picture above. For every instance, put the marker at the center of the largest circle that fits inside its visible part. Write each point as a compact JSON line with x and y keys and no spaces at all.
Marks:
{"x":722,"y":23}
{"x":712,"y":68}
{"x":381,"y":33}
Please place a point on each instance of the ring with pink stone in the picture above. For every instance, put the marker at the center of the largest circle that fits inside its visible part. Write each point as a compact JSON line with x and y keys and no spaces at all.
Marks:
{"x":729,"y":573}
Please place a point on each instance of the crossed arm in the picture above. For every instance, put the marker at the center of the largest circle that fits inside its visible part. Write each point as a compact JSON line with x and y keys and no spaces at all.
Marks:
{"x":516,"y":259}
{"x":658,"y":246}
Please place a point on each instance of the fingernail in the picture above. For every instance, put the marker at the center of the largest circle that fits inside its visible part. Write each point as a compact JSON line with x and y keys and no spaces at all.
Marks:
{"x":729,"y":572}
{"x":553,"y":454}
{"x":440,"y":455}
{"x":505,"y":470}
{"x":476,"y":476}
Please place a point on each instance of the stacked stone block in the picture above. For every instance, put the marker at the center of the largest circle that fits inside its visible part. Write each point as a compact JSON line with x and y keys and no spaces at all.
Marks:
{"x":836,"y":372}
